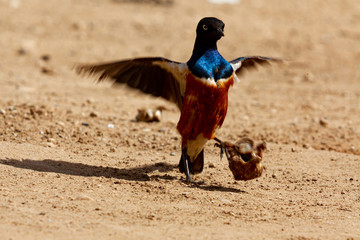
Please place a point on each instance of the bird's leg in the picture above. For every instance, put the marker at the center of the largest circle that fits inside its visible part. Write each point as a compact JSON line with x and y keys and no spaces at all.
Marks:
{"x":186,"y":165}
{"x":223,"y":148}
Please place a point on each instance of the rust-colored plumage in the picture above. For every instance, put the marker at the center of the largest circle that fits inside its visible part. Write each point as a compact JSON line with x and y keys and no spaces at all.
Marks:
{"x":204,"y":108}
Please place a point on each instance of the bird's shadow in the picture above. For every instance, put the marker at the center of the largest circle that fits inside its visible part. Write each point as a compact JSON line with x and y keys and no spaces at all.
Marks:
{"x":142,"y":173}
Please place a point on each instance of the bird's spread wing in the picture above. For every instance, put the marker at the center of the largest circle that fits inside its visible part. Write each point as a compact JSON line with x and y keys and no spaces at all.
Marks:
{"x":249,"y":62}
{"x":156,"y":76}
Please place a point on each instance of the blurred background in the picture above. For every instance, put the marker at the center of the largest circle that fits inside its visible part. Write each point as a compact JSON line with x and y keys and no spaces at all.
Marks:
{"x":42,"y":40}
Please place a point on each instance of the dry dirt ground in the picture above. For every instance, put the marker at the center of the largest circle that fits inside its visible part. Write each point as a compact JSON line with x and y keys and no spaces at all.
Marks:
{"x":75,"y":165}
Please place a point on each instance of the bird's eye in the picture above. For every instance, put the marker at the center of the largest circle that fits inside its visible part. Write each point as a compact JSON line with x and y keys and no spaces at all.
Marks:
{"x":205,"y":27}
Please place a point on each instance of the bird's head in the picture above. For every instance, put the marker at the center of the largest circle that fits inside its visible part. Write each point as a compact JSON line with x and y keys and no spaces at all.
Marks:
{"x":210,"y":29}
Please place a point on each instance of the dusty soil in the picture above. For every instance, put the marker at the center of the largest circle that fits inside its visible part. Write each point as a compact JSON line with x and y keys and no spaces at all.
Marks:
{"x":75,"y":165}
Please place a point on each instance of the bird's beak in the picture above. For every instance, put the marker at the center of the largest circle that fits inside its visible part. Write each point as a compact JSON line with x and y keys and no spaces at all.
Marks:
{"x":221,"y":32}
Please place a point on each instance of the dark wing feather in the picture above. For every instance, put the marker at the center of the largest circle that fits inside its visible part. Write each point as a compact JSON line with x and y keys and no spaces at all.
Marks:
{"x":250,"y":62}
{"x":159,"y":77}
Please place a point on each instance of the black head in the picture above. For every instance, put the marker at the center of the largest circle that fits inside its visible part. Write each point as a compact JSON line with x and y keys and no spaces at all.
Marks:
{"x":210,"y":29}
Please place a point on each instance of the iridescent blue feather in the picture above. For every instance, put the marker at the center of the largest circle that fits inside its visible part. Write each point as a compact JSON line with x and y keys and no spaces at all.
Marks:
{"x":210,"y":64}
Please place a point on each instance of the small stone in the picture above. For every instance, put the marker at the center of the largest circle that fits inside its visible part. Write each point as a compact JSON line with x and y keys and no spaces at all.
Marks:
{"x":308,"y":77}
{"x":110,"y":125}
{"x":45,"y":57}
{"x":151,"y":217}
{"x":323,"y":122}
{"x":172,"y":154}
{"x":46,"y":69}
{"x":112,"y":149}
{"x":90,"y":101}
{"x":162,"y":130}
{"x":50,"y":144}
{"x":156,"y":171}
{"x":306,"y":146}
{"x":148,"y":115}
{"x":274,"y":176}
{"x":157,"y":116}
{"x":2,"y":111}
{"x":21,"y":51}
{"x":60,"y":123}
{"x":212,"y":165}
{"x":226,"y":201}
{"x":85,"y":124}
{"x":93,"y":114}
{"x":186,"y":194}
{"x":83,"y":197}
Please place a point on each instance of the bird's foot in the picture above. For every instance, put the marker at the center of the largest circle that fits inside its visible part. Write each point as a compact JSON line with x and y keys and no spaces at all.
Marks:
{"x":186,"y":166}
{"x":222,"y":147}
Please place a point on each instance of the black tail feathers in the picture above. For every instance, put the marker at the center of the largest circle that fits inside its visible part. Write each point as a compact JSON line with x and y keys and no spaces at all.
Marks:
{"x":196,"y":166}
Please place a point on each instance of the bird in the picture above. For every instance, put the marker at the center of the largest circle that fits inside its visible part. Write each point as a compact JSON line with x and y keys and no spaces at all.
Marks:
{"x":199,"y":87}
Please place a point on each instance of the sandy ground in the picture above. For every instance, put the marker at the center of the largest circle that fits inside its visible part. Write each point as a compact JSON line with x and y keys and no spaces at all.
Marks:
{"x":65,"y":173}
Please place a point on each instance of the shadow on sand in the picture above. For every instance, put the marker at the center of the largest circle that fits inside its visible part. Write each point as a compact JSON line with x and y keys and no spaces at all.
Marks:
{"x":129,"y":174}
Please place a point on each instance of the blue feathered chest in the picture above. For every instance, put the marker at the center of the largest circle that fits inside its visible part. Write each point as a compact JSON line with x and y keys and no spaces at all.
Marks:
{"x":210,"y":64}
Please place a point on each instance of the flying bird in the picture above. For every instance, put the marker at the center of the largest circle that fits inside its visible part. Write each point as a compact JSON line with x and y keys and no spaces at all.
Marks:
{"x":199,"y":87}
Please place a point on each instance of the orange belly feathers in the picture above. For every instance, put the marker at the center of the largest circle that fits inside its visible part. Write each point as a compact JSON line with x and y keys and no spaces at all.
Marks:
{"x":204,"y":107}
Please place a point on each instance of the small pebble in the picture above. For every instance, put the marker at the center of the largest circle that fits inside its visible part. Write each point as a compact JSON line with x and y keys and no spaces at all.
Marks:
{"x":225,"y":201}
{"x":212,"y":165}
{"x":83,"y":197}
{"x":60,"y":123}
{"x":21,"y":51}
{"x":162,"y":130}
{"x":306,"y":146}
{"x":45,"y":57}
{"x":156,"y":171}
{"x":93,"y":114}
{"x":172,"y":154}
{"x":308,"y":77}
{"x":186,"y":194}
{"x":85,"y":124}
{"x":323,"y":122}
{"x":110,"y":125}
{"x":2,"y":111}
